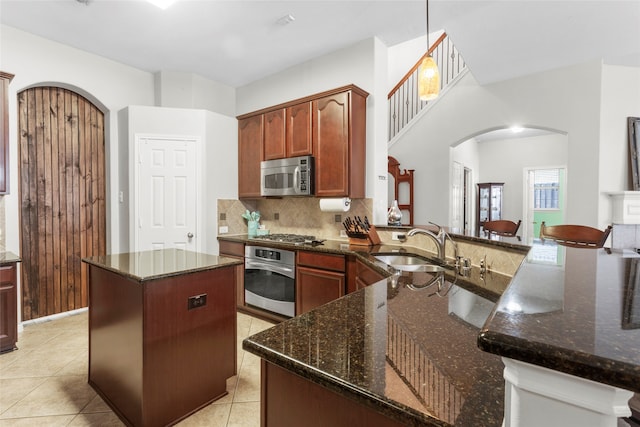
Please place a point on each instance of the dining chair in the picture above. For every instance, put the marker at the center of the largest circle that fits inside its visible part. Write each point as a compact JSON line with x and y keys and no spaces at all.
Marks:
{"x":576,"y":236}
{"x":502,"y":227}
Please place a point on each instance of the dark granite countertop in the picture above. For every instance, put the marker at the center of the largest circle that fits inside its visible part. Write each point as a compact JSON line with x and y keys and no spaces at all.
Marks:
{"x":490,"y":285}
{"x":8,"y":258}
{"x":408,"y":353}
{"x":158,"y":264}
{"x":572,"y":310}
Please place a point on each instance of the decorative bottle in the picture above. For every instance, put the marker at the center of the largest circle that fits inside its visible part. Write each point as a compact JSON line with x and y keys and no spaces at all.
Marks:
{"x":394,"y":215}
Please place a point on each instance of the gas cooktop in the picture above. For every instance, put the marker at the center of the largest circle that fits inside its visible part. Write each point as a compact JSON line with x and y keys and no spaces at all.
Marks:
{"x":296,"y":239}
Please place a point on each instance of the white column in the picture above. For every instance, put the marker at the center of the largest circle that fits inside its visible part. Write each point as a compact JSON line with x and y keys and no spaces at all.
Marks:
{"x":537,"y":396}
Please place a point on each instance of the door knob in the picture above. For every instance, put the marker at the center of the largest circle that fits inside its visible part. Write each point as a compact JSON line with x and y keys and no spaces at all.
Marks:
{"x":190,"y":235}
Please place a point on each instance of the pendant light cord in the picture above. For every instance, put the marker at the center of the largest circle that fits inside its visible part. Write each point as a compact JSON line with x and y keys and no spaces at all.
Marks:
{"x":427,"y":9}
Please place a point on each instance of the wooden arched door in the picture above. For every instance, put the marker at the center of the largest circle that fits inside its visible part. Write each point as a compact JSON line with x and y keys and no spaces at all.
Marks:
{"x":62,"y":193}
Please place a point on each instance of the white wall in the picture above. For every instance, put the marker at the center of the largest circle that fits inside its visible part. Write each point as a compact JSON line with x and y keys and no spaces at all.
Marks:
{"x":362,"y":64}
{"x":108,"y":84}
{"x":112,"y":87}
{"x":217,"y":163}
{"x":565,"y":100}
{"x":620,"y":99}
{"x":220,"y":171}
{"x":521,"y":153}
{"x":184,"y":90}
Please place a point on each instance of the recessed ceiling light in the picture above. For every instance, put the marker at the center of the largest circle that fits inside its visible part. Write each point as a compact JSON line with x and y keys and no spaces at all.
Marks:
{"x":286,"y":19}
{"x":162,"y":4}
{"x":516,"y":129}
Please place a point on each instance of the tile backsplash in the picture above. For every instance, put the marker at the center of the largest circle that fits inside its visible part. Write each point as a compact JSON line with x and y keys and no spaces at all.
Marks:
{"x":299,"y":215}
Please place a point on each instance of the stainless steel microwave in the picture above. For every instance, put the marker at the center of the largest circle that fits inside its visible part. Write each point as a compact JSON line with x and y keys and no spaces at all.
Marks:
{"x":287,"y":177}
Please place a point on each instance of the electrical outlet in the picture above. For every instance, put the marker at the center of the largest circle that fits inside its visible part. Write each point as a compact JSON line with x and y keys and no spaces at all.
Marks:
{"x":343,"y":233}
{"x":223,"y":229}
{"x":196,"y":301}
{"x":398,"y":236}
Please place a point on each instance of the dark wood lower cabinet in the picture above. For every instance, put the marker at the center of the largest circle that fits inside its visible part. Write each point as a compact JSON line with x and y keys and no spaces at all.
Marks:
{"x":235,"y":250}
{"x":320,"y":278}
{"x":8,"y":308}
{"x":288,"y":400}
{"x":153,"y":358}
{"x":360,"y":275}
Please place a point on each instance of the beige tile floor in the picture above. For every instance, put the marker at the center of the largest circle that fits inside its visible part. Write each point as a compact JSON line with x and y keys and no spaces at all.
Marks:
{"x":44,"y":382}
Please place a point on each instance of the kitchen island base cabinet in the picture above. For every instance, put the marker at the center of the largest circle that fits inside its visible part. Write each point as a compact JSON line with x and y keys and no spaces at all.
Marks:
{"x":160,"y":350}
{"x":289,"y":400}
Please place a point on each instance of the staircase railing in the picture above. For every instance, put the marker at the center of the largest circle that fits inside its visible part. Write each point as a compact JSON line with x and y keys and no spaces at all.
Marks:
{"x":404,"y":103}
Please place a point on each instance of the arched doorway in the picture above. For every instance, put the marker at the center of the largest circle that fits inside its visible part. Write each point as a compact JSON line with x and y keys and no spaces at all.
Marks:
{"x":501,"y":155}
{"x":62,"y":194}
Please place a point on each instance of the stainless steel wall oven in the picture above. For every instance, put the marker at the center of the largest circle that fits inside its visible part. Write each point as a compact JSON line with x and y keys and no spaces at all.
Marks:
{"x":269,"y":279}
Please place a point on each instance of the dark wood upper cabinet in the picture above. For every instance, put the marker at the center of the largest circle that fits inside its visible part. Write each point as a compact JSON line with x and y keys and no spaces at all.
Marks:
{"x":299,"y":130}
{"x":274,"y":135}
{"x":5,"y":79}
{"x":330,"y":125}
{"x":250,"y":154}
{"x":287,"y":132}
{"x":339,"y":144}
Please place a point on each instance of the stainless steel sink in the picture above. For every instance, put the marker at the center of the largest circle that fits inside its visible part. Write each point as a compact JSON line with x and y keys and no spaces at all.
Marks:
{"x":408,"y":262}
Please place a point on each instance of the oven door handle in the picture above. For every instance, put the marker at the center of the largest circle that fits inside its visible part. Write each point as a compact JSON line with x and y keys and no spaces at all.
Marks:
{"x":257,"y":265}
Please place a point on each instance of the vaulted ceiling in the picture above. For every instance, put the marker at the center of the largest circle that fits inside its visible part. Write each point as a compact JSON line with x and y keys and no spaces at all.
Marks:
{"x":235,"y":42}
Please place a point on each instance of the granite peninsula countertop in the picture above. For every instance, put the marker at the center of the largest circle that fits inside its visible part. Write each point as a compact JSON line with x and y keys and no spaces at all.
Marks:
{"x":572,"y":310}
{"x":405,"y":346}
{"x":8,"y":258}
{"x":158,"y":264}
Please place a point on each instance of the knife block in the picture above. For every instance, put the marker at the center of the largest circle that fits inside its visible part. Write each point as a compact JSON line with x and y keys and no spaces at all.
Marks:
{"x":364,"y":239}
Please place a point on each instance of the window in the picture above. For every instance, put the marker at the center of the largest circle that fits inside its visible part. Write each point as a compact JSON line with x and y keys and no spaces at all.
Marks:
{"x":546,"y":189}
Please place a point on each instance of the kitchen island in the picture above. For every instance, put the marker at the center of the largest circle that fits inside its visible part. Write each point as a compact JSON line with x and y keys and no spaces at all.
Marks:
{"x":162,"y":332}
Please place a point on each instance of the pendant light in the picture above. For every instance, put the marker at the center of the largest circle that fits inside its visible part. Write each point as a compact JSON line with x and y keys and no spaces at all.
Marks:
{"x":428,"y":73}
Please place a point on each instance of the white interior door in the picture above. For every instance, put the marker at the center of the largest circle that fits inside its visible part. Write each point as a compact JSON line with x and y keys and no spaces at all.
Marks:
{"x":166,"y":194}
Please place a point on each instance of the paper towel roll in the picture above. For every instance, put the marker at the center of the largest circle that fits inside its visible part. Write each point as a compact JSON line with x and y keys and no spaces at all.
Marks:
{"x":335,"y":205}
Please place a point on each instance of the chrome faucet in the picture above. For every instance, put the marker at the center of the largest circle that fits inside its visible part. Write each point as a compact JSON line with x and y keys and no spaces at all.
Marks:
{"x":439,"y":238}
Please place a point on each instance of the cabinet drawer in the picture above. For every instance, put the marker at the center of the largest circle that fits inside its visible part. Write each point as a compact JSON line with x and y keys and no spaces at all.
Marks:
{"x":323,"y":261}
{"x":231,"y":248}
{"x":8,"y":273}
